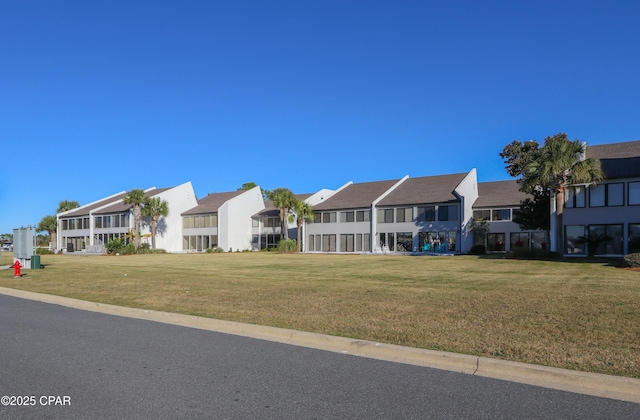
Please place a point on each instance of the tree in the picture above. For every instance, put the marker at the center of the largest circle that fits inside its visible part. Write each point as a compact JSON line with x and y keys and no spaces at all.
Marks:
{"x":534,"y":212}
{"x":155,"y":207}
{"x":49,"y":224}
{"x":136,"y":199}
{"x":247,"y":186}
{"x":66,"y":205}
{"x":285,"y":200}
{"x":559,"y":163}
{"x":302,"y":211}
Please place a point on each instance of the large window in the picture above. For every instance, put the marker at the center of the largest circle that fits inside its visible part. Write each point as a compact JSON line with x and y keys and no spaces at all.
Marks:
{"x":347,"y":216}
{"x":199,"y":242}
{"x":363,"y":215}
{"x":495,"y":242}
{"x":426,"y":214}
{"x":539,"y":240}
{"x":634,"y":193}
{"x":519,"y":240}
{"x":501,"y":214}
{"x":479,"y":215}
{"x":634,"y":237}
{"x":363,"y":242}
{"x":201,"y":221}
{"x":404,"y":241}
{"x":329,"y":243}
{"x":572,"y":242}
{"x":385,"y":215}
{"x":404,"y":214}
{"x":606,"y":195}
{"x":575,"y":197}
{"x":329,"y":217}
{"x":347,"y":243}
{"x":609,"y":239}
{"x":447,"y":213}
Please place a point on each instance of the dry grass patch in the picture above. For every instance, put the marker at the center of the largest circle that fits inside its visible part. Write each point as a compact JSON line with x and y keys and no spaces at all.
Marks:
{"x":575,"y":315}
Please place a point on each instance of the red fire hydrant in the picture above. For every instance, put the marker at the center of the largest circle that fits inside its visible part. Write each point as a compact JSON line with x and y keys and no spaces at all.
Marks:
{"x":16,"y":269}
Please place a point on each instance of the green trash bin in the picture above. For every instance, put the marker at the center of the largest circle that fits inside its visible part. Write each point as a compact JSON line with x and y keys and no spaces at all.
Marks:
{"x":35,"y":261}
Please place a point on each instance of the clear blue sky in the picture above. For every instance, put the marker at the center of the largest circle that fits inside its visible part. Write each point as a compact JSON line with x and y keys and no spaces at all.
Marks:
{"x":98,"y":97}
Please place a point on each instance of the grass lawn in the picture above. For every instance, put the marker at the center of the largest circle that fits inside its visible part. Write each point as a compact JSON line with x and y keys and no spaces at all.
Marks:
{"x":577,"y":315}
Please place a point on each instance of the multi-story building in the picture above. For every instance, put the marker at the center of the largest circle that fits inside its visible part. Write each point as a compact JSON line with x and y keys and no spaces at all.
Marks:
{"x":430,"y":213}
{"x":221,"y":220}
{"x":608,"y":212}
{"x":400,"y":215}
{"x":496,"y":204}
{"x":91,"y":226}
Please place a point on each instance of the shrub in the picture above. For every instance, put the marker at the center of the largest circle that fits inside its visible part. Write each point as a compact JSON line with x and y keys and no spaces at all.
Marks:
{"x":43,"y":251}
{"x":115,"y":245}
{"x":287,"y":246}
{"x":478,"y":250}
{"x":534,"y":254}
{"x":632,"y":260}
{"x":130,"y":248}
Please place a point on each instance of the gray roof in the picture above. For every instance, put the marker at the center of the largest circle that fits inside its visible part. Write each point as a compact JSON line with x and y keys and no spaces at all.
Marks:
{"x":499,"y":194}
{"x":426,"y":189}
{"x":120,"y":207}
{"x":270,"y":210}
{"x":85,"y":211}
{"x":212,"y":202}
{"x":356,"y":196}
{"x":619,"y":160}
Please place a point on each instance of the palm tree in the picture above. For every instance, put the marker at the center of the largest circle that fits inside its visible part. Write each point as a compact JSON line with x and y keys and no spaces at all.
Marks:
{"x":283,"y":199}
{"x":136,"y":199}
{"x":66,"y":205}
{"x":154,"y":207}
{"x":303,"y":211}
{"x":50,"y":225}
{"x":559,"y":164}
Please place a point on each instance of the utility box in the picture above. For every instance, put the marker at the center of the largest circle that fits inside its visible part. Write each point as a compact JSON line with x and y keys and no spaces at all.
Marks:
{"x":35,"y":261}
{"x":24,"y":246}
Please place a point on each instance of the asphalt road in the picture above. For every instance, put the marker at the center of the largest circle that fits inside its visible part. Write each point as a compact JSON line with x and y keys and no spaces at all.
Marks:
{"x":63,"y":363}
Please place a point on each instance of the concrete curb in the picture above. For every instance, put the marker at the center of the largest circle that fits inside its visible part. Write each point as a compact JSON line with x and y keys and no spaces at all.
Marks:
{"x":615,"y":387}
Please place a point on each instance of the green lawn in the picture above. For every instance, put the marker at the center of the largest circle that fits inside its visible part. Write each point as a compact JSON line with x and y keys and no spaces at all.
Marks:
{"x":578,"y":315}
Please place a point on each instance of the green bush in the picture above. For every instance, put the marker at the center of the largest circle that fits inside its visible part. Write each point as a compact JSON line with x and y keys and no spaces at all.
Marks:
{"x":115,"y":245}
{"x":287,"y":246}
{"x":534,"y":254}
{"x":43,"y":251}
{"x":130,"y":248}
{"x":478,"y":250}
{"x":632,"y":260}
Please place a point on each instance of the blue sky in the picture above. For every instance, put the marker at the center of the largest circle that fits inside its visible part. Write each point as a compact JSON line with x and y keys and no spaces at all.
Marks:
{"x":98,"y":97}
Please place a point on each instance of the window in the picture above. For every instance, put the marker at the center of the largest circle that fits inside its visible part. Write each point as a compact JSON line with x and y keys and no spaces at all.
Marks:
{"x":443,"y":213}
{"x":346,"y":216}
{"x":65,"y":224}
{"x":426,"y":214}
{"x":610,"y":236}
{"x":317,"y":217}
{"x":385,"y":215}
{"x":404,"y":214}
{"x":447,"y":213}
{"x":329,"y":217}
{"x":495,"y":242}
{"x":363,"y":215}
{"x":404,"y":240}
{"x":501,"y":214}
{"x":575,"y":197}
{"x":519,"y":240}
{"x":539,"y":240}
{"x":329,"y":243}
{"x":98,"y":222}
{"x":479,"y":215}
{"x":347,"y":243}
{"x":634,"y":237}
{"x":572,"y":242}
{"x":634,"y":193}
{"x":255,"y":222}
{"x":606,"y":195}
{"x":271,"y":222}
